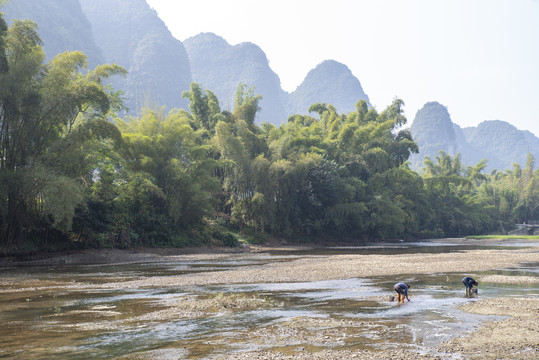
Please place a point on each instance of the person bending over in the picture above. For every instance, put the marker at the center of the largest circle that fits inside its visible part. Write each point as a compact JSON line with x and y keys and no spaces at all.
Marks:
{"x":469,"y":283}
{"x":402,"y":292}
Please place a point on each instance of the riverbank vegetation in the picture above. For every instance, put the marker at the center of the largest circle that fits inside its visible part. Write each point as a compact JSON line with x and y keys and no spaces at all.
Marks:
{"x":75,"y":174}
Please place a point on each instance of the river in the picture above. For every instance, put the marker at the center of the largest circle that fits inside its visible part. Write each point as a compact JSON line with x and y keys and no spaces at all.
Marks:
{"x":66,"y":312}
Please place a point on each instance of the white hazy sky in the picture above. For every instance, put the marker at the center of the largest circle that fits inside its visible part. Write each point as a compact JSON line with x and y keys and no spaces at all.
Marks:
{"x":480,"y":58}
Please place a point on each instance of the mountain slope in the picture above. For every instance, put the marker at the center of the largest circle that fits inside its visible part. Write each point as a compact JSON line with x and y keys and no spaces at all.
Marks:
{"x":432,"y":130}
{"x":62,"y":26}
{"x":221,"y":67}
{"x":504,"y":141}
{"x":470,"y":153}
{"x":497,"y":141}
{"x":132,"y":35}
{"x":330,"y":82}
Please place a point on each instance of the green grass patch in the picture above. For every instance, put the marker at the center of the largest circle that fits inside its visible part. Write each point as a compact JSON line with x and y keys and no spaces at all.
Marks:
{"x":504,"y":237}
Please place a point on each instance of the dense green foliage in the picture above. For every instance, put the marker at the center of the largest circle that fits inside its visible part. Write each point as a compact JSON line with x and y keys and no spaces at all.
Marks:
{"x":51,"y":116}
{"x":72,"y":173}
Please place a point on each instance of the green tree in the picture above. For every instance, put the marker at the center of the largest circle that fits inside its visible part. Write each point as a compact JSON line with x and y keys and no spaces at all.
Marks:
{"x":171,"y":161}
{"x":401,"y":205}
{"x":239,"y":147}
{"x":39,"y":107}
{"x":204,"y":107}
{"x":458,"y":207}
{"x":246,"y":105}
{"x":3,"y":55}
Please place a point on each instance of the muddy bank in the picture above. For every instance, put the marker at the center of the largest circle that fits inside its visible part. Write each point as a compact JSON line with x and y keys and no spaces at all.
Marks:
{"x":304,"y":268}
{"x":300,"y":353}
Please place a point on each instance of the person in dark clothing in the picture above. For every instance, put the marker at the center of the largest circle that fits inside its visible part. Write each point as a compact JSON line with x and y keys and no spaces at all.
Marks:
{"x":402,"y":292}
{"x":469,"y":283}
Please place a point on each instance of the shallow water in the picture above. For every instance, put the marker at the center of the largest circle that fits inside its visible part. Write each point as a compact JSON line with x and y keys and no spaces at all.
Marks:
{"x":62,"y":313}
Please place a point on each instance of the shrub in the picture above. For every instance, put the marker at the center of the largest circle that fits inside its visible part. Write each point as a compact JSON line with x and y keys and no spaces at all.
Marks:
{"x":231,"y":240}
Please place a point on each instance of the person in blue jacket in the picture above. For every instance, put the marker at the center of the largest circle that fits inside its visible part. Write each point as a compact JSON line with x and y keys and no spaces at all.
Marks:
{"x":469,"y":283}
{"x":402,"y":292}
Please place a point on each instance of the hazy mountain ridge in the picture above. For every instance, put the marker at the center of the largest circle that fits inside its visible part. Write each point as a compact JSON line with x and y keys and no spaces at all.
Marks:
{"x":470,"y":153}
{"x":221,"y":67}
{"x":432,"y":130}
{"x":133,"y":36}
{"x":160,"y":67}
{"x":62,"y":26}
{"x":499,"y":142}
{"x":511,"y":145}
{"x":330,"y":82}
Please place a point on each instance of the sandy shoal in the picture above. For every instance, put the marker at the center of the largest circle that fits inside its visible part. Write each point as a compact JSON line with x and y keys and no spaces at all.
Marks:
{"x":330,"y":267}
{"x":516,"y":337}
{"x":505,"y":279}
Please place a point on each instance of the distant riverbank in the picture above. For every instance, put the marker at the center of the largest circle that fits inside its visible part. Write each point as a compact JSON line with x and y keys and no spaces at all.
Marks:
{"x":145,"y":254}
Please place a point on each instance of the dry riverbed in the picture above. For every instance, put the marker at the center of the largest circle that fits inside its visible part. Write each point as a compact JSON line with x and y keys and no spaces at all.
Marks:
{"x":514,"y":337}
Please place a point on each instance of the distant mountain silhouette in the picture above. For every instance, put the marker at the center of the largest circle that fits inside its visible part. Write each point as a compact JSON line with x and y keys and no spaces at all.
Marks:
{"x":503,"y":143}
{"x":471,"y":154}
{"x":432,"y":130}
{"x":497,"y":141}
{"x":132,"y":35}
{"x":330,"y":82}
{"x":221,"y":67}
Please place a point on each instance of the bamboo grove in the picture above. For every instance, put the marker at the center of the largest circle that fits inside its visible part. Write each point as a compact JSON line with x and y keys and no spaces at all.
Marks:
{"x":75,"y":174}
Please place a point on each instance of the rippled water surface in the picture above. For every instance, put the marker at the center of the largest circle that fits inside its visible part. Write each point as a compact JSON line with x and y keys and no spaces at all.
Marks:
{"x":63,"y":313}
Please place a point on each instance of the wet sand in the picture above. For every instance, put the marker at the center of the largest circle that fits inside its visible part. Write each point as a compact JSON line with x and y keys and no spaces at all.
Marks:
{"x":514,"y":337}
